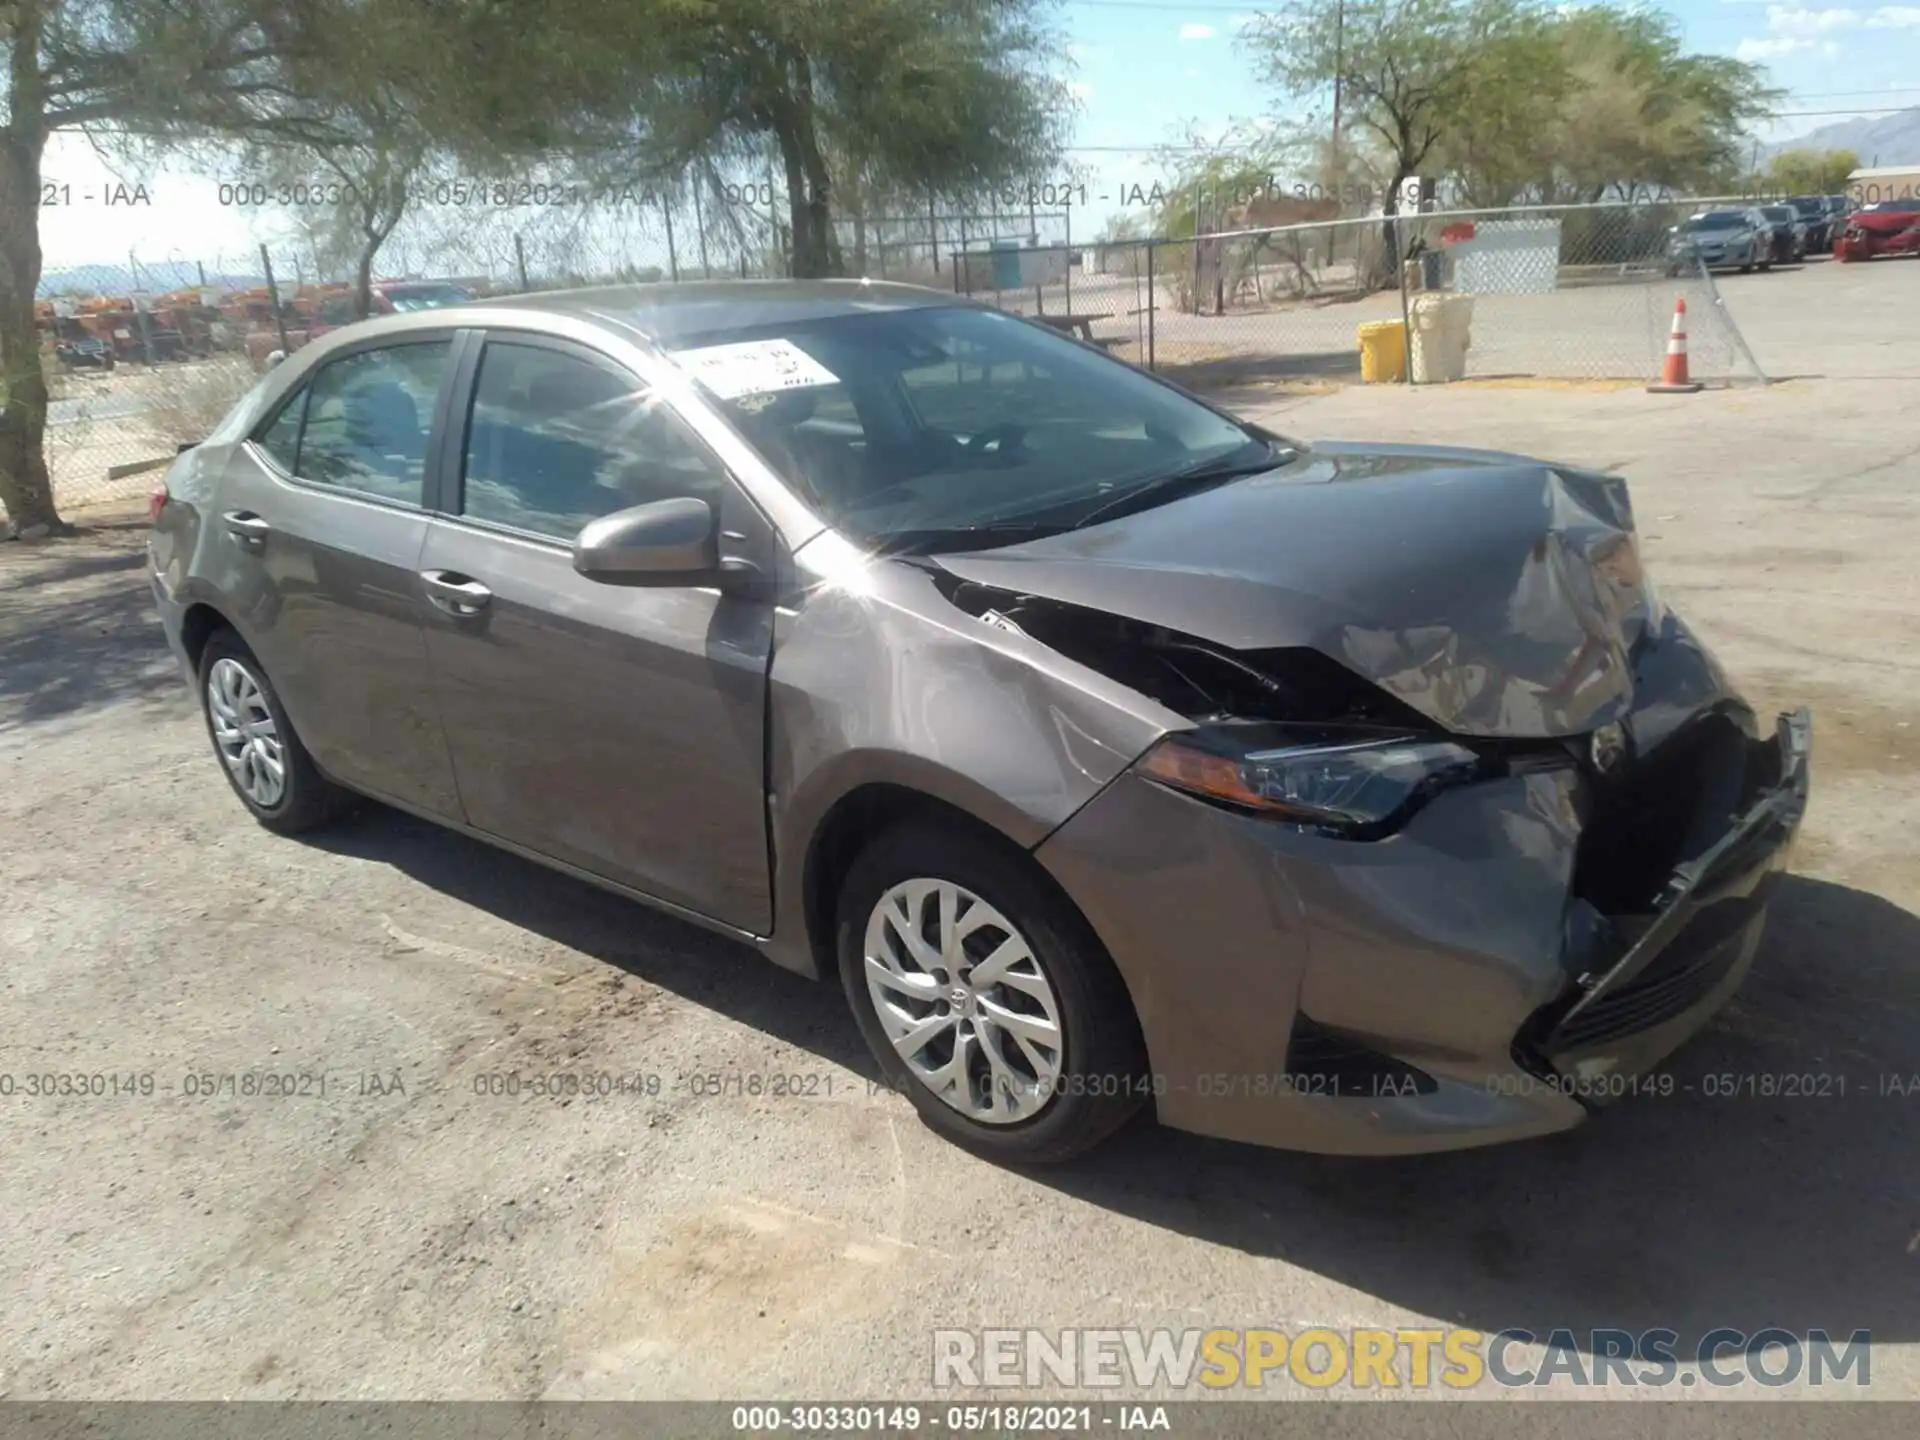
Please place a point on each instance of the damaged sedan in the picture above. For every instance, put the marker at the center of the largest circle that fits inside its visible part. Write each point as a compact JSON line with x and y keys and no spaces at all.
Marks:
{"x":1110,"y":752}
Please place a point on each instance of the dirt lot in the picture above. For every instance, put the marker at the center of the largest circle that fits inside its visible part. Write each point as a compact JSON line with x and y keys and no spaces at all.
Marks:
{"x":410,"y":1234}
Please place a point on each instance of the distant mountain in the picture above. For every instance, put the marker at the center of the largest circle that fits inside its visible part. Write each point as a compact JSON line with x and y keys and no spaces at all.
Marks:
{"x":119,"y":279}
{"x":1876,"y":139}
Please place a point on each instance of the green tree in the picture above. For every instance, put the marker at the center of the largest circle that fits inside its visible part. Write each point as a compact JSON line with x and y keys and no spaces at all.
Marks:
{"x":1601,"y":102}
{"x":127,"y":71}
{"x":922,"y":96}
{"x":1409,"y":71}
{"x":1811,"y":172}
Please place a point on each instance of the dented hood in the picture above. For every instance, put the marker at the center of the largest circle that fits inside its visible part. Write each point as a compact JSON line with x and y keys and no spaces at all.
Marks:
{"x":1495,"y":594}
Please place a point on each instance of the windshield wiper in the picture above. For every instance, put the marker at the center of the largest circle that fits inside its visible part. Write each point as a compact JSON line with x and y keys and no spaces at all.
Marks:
{"x":962,"y":537}
{"x":1201,"y":475}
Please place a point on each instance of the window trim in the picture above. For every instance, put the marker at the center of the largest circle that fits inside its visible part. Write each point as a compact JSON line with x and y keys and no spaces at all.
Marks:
{"x":453,"y":337}
{"x":451,"y":479}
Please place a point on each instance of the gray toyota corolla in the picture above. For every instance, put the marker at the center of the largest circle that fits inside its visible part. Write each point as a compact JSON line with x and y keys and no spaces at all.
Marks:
{"x":1110,"y":751}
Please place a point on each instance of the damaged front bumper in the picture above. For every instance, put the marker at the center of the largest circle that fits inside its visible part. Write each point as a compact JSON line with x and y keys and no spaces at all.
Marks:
{"x":1694,"y":949}
{"x":1453,"y":985}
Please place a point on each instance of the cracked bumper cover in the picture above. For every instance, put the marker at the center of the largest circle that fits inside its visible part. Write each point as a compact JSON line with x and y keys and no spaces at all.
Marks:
{"x":1445,"y":947}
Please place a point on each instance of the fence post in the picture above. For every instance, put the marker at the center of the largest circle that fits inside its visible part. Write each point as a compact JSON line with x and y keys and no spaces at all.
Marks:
{"x":520,"y":260}
{"x":1406,"y":314}
{"x":956,"y":272}
{"x":1066,"y":230}
{"x":700,"y":225}
{"x":273,"y":298}
{"x":673,"y":258}
{"x":1151,"y":306}
{"x":933,"y":229}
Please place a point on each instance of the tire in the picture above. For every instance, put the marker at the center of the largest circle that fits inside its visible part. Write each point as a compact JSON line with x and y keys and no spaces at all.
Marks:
{"x":1100,"y":1079}
{"x":233,"y":680}
{"x":1747,"y":269}
{"x":1765,"y":266}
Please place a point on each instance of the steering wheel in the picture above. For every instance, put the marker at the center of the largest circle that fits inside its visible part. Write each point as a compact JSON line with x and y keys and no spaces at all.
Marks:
{"x":996,"y":441}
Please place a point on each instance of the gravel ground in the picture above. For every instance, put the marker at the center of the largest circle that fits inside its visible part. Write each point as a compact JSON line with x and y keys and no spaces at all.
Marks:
{"x":397,"y":1229}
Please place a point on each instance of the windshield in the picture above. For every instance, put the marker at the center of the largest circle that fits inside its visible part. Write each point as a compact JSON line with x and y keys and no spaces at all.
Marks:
{"x":1779,"y":212}
{"x":1715,"y":220}
{"x":914,"y":423}
{"x":1808,"y":206}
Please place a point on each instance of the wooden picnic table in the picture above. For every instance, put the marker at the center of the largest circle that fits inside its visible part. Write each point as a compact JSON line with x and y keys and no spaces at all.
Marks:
{"x":1081,"y":321}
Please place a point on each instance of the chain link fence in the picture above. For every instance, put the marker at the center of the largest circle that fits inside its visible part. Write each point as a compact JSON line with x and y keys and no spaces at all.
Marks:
{"x":1569,"y":292}
{"x":144,"y":359}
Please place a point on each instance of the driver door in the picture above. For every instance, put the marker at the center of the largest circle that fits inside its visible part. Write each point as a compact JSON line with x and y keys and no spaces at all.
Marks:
{"x":620,"y":731}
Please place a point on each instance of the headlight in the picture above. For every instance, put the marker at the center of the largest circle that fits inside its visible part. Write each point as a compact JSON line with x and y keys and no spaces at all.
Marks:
{"x":1351,"y":783}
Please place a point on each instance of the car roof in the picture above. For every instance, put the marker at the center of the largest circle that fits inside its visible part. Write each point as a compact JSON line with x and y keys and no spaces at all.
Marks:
{"x":670,"y":313}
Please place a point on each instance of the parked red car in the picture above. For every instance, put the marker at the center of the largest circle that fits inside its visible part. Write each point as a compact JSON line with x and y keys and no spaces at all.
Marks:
{"x":1891,"y":227}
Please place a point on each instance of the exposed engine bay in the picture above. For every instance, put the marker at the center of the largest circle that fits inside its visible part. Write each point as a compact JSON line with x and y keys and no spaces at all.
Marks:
{"x":1205,"y":682}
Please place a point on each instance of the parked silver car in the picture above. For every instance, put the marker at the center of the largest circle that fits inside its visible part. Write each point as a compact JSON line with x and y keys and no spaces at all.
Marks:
{"x":1720,"y":239}
{"x":1108,"y":750}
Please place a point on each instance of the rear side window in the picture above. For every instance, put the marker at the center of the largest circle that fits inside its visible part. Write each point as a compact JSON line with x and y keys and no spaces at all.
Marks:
{"x":367,"y":419}
{"x":557,"y":440}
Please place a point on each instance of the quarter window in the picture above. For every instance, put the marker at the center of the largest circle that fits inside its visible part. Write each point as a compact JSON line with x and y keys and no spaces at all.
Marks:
{"x":557,"y":440}
{"x":368,"y":416}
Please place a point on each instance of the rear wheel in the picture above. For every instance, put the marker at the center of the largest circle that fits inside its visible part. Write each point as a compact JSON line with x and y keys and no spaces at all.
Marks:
{"x":264,"y":761}
{"x":985,"y":997}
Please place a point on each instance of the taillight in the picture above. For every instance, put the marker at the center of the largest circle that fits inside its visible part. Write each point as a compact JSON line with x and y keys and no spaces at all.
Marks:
{"x":156,"y":502}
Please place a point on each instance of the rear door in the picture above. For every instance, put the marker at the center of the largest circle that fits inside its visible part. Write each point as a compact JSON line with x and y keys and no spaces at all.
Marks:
{"x":619,"y":730}
{"x":315,"y":545}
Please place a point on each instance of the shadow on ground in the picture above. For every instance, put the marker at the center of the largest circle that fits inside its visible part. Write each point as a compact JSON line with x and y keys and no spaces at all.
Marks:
{"x":698,"y":965}
{"x":78,"y":629}
{"x":1718,"y":1206}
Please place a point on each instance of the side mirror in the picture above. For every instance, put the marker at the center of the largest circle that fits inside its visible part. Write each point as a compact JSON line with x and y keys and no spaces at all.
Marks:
{"x":662,"y":543}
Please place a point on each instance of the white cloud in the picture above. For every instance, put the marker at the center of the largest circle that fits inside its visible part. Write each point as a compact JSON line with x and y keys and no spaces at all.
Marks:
{"x":1801,"y":21}
{"x":1757,"y":48}
{"x":1196,"y":32}
{"x":1190,"y":73}
{"x":1796,"y":20}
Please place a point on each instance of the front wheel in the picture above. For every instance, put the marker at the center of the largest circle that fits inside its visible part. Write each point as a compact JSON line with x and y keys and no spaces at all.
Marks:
{"x":985,"y":997}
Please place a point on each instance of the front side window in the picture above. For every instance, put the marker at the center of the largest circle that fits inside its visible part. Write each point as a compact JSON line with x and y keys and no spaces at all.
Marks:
{"x":557,"y":440}
{"x":281,"y":439}
{"x":368,"y":419}
{"x":901,"y":423}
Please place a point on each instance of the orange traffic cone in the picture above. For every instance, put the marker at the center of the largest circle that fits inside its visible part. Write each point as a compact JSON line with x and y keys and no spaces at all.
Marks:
{"x":1673,"y":375}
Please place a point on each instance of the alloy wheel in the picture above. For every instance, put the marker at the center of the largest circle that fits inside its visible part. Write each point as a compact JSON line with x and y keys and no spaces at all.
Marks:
{"x":244,"y":732}
{"x":964,"y":1001}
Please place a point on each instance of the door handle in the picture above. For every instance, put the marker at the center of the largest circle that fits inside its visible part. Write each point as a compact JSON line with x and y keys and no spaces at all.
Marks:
{"x":455,"y":593}
{"x":247,"y":526}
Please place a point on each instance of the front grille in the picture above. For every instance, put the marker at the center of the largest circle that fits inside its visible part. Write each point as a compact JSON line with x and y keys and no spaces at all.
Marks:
{"x":1680,"y":978}
{"x":1323,"y":1062}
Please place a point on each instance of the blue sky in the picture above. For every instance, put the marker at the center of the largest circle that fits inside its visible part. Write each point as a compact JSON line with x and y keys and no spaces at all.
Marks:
{"x":1143,"y":70}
